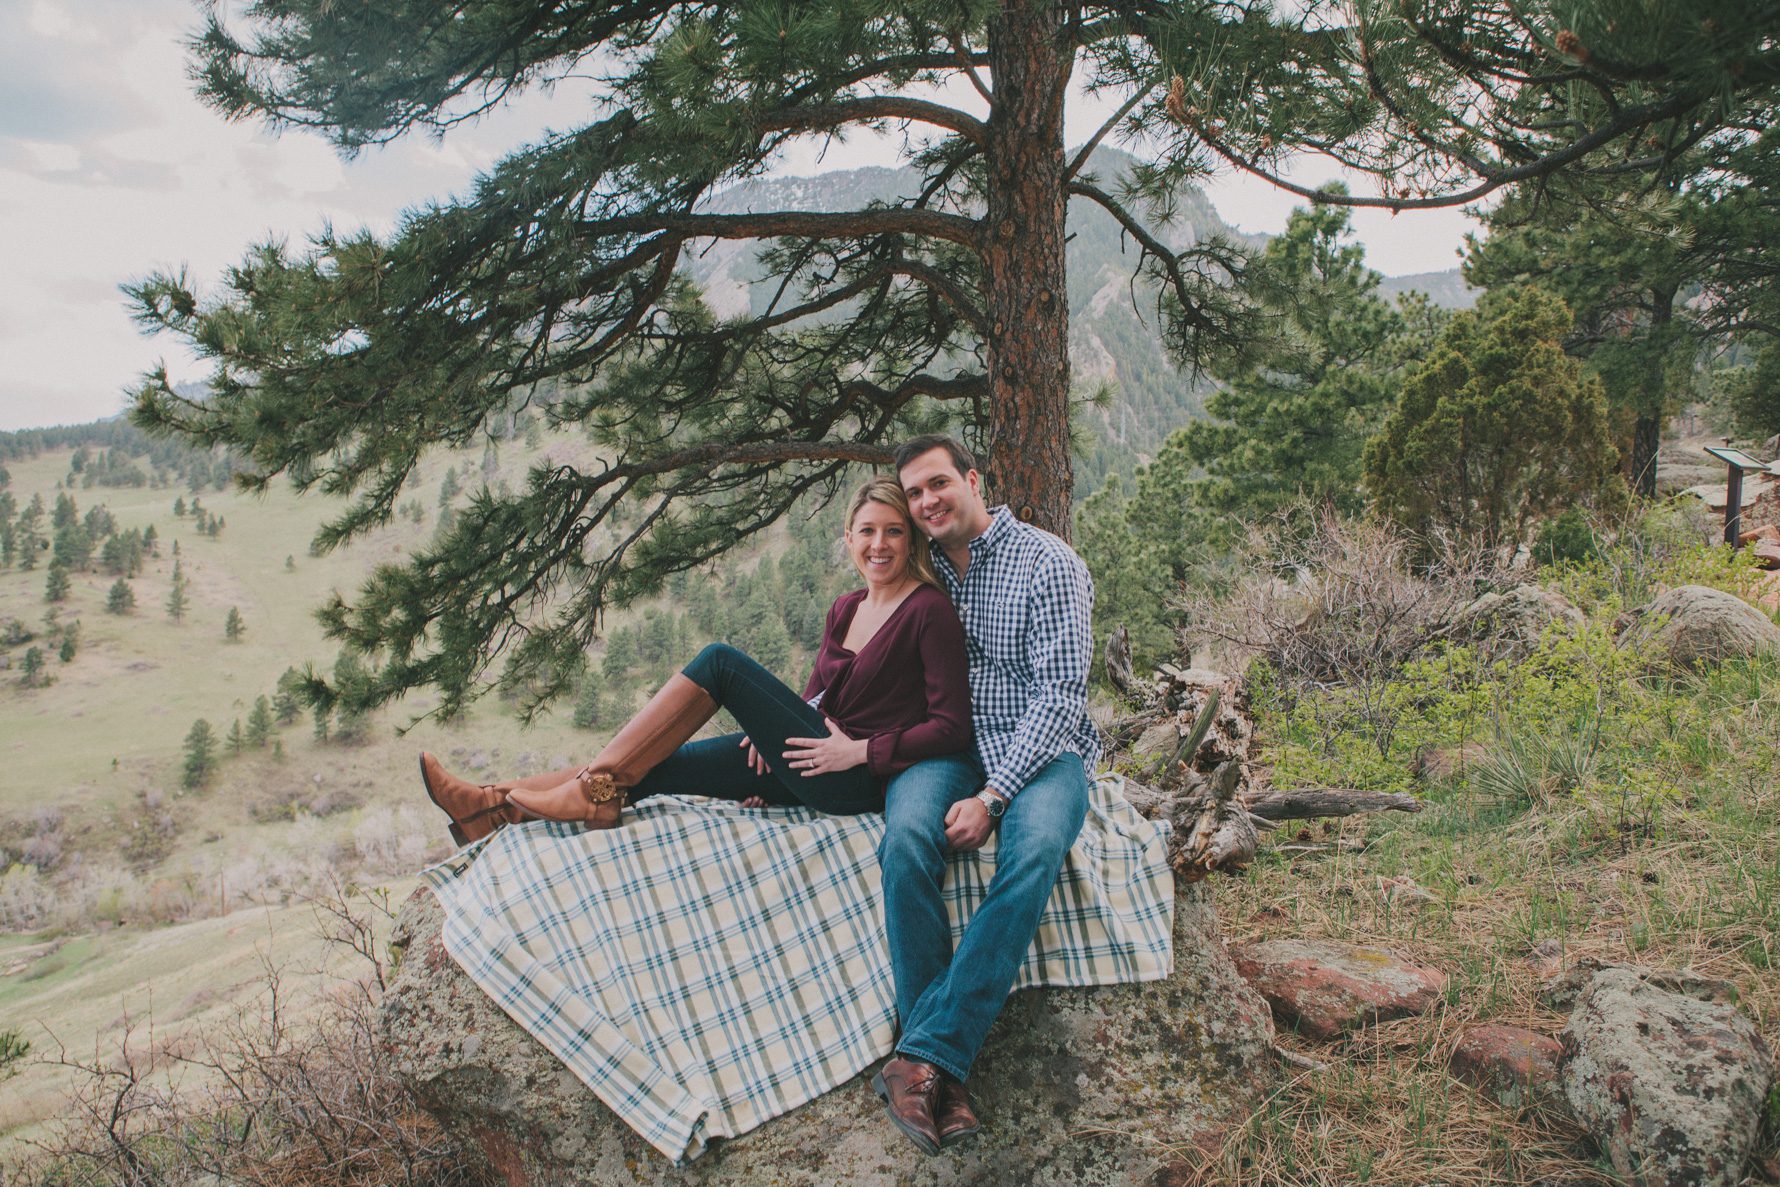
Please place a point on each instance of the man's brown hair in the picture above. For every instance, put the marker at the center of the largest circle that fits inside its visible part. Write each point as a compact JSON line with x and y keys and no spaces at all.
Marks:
{"x":914,"y":447}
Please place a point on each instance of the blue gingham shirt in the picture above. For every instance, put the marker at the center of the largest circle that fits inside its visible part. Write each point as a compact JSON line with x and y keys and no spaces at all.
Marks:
{"x":1026,"y":601}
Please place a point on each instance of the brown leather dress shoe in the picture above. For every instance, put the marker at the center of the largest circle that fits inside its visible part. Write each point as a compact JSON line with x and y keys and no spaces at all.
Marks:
{"x":953,"y":1115}
{"x":908,"y":1088}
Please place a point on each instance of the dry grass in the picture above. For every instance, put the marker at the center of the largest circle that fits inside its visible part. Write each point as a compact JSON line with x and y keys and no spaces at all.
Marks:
{"x":276,"y":1095}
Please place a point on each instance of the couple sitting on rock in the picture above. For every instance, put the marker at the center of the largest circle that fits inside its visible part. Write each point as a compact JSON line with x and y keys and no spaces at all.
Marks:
{"x":884,"y":724}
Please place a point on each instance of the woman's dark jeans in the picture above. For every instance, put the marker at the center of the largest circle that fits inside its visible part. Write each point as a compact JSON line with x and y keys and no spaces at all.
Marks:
{"x":768,"y":713}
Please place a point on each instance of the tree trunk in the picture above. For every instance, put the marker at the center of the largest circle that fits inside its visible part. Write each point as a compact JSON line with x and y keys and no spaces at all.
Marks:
{"x":1026,"y":442}
{"x":1647,"y":432}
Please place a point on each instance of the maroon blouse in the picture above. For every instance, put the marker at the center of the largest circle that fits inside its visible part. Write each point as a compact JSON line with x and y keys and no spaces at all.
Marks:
{"x":907,"y":690}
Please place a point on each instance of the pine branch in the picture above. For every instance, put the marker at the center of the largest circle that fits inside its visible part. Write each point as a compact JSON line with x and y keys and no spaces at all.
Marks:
{"x":895,"y":107}
{"x":778,"y":224}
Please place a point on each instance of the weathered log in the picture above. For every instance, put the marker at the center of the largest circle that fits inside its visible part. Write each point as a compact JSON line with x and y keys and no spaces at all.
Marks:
{"x":1118,"y":663}
{"x":1216,"y":836}
{"x":1305,"y":803}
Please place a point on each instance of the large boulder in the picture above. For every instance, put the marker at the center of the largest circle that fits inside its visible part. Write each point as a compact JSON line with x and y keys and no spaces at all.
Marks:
{"x":1692,"y":625}
{"x":1670,"y":1087}
{"x":1132,"y":1084}
{"x":1506,"y":625}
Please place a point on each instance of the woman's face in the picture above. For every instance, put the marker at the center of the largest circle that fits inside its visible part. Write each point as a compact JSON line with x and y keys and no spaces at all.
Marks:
{"x":878,"y":542}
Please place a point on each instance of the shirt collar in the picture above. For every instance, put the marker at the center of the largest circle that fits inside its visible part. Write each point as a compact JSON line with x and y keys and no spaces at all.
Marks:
{"x":1001,"y":525}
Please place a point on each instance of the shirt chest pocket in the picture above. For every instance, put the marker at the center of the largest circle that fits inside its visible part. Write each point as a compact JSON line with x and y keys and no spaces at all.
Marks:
{"x":997,"y":618}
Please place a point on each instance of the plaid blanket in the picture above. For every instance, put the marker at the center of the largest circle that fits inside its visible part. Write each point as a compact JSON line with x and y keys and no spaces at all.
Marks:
{"x":706,"y":968}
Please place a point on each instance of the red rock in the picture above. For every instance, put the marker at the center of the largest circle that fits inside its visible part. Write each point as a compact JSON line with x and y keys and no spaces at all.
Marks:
{"x":1324,"y":989}
{"x":1511,"y":1065}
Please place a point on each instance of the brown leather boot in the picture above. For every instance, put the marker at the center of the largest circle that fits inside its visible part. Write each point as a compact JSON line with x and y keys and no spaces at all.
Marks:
{"x":478,"y":809}
{"x":595,"y":795}
{"x":908,"y":1088}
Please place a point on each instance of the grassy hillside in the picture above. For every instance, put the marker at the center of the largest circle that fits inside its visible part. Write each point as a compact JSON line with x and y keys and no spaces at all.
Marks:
{"x":113,"y":878}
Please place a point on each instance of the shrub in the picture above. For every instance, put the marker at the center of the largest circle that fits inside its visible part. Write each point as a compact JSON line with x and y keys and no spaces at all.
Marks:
{"x":277,"y":1105}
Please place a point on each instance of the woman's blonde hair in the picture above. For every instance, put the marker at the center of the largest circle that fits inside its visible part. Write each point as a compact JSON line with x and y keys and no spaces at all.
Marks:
{"x":886,"y":490}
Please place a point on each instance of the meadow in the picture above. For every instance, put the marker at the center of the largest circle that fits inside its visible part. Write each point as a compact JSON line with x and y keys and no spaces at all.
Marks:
{"x":148,"y":903}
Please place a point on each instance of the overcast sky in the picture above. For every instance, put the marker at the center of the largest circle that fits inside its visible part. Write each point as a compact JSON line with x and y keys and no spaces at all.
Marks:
{"x":110,"y":169}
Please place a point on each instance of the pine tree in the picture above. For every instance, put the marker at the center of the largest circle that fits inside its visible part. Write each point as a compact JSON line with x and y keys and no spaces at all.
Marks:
{"x":287,"y":698}
{"x":237,"y":737}
{"x":32,"y":673}
{"x":562,"y":270}
{"x":200,"y":754}
{"x":70,"y":642}
{"x":177,"y":601}
{"x":121,"y":599}
{"x":1624,"y":266}
{"x":1496,"y":429}
{"x":179,"y":507}
{"x":56,"y":588}
{"x":233,"y":627}
{"x":259,"y":724}
{"x":151,"y":540}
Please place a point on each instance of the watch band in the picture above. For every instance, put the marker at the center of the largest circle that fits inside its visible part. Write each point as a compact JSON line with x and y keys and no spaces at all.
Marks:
{"x":994,"y":803}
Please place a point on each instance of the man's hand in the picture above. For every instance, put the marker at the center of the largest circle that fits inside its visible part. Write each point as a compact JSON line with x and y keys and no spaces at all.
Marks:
{"x":968,"y":825}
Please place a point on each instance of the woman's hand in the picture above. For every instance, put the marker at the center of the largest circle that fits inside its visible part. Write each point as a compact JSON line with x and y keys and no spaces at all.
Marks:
{"x":755,"y":762}
{"x":820,"y":756}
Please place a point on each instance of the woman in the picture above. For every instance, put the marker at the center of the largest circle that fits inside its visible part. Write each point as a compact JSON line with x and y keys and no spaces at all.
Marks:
{"x":890,"y":680}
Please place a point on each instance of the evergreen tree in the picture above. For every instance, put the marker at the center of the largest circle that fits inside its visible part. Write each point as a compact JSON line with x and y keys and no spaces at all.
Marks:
{"x":1624,"y":266}
{"x":200,"y":754}
{"x":179,"y":507}
{"x":114,"y":557}
{"x":351,"y":719}
{"x":237,"y":737}
{"x":233,"y":627}
{"x":562,"y":268}
{"x":66,"y":514}
{"x":177,"y":601}
{"x":259,"y":724}
{"x":32,"y":674}
{"x":1497,"y":428}
{"x":99,"y":522}
{"x":287,"y":698}
{"x":593,"y":704}
{"x":28,"y":540}
{"x":448,"y":487}
{"x":151,"y":540}
{"x":70,"y":642}
{"x":73,"y":546}
{"x":121,"y":599}
{"x":56,"y":588}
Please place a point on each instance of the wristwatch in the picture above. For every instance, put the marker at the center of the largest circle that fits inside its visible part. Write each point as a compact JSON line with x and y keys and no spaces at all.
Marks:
{"x":994,"y":803}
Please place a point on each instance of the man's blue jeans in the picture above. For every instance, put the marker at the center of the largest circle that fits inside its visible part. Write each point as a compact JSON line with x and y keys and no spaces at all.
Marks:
{"x":947,"y":1000}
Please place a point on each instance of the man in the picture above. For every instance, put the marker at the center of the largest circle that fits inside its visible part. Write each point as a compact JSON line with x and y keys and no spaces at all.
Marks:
{"x":1024,"y":597}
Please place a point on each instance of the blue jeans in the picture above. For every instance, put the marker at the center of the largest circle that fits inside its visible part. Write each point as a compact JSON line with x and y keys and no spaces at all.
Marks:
{"x":947,"y":1000}
{"x":768,"y":712}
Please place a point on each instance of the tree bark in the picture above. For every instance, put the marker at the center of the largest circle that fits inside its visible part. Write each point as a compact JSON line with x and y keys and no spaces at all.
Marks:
{"x":1026,"y":439}
{"x":1647,"y":431}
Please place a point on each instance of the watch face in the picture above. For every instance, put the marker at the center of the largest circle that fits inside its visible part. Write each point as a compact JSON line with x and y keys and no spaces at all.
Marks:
{"x":991,"y":802}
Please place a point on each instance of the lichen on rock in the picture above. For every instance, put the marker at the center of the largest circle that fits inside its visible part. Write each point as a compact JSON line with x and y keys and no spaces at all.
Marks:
{"x":1128,"y":1084}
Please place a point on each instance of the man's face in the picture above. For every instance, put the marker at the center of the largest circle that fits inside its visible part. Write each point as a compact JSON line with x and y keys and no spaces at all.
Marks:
{"x":947,"y":506}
